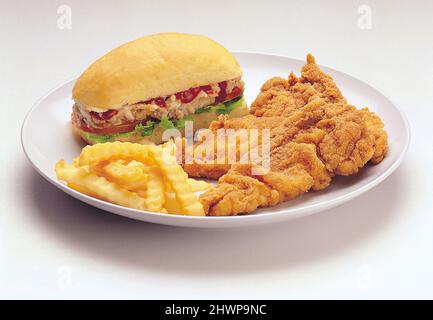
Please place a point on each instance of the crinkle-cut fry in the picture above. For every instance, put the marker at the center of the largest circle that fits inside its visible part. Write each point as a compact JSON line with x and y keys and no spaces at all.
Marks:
{"x":76,"y":162}
{"x":80,"y":189}
{"x":137,"y":164}
{"x":198,"y":185}
{"x":109,"y":151}
{"x":131,"y":176}
{"x":171,"y":204}
{"x":175,"y":175}
{"x":141,"y":192}
{"x":99,"y":186}
{"x":154,"y":200}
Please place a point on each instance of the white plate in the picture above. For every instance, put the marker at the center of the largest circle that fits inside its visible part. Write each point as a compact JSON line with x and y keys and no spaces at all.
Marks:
{"x":47,"y":137}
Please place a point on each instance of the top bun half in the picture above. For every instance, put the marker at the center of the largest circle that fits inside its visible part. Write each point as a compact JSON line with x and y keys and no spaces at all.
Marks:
{"x":153,"y":66}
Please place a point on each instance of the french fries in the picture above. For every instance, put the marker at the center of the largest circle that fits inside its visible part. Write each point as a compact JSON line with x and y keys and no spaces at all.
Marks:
{"x":114,"y":151}
{"x":177,"y":180}
{"x":132,"y":176}
{"x":137,"y":176}
{"x":154,"y":200}
{"x":198,"y":185}
{"x":96,"y":186}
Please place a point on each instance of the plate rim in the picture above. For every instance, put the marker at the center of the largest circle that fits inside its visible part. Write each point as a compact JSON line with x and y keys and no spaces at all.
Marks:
{"x":238,"y":220}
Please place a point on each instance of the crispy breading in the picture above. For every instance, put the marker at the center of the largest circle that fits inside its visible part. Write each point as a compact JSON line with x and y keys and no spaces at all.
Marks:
{"x":295,"y":168}
{"x":375,"y":127}
{"x":314,"y":135}
{"x":280,"y":97}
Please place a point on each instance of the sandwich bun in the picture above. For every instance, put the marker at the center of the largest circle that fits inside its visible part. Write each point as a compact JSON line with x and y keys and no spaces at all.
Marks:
{"x":153,"y":66}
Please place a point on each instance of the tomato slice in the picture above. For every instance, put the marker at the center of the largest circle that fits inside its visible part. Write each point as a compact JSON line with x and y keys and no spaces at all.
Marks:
{"x":126,"y":127}
{"x":188,"y":95}
{"x":160,"y":102}
{"x":207,"y":89}
{"x":95,"y":115}
{"x":236,"y":92}
{"x":107,"y":115}
{"x":222,"y":96}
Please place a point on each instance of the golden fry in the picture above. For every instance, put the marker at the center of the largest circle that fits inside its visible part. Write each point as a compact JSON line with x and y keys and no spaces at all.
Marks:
{"x":154,"y":192}
{"x":198,"y":185}
{"x":138,"y":176}
{"x":80,"y":189}
{"x":99,"y":186}
{"x":171,"y":203}
{"x":131,"y":176}
{"x":110,"y":151}
{"x":175,"y":176}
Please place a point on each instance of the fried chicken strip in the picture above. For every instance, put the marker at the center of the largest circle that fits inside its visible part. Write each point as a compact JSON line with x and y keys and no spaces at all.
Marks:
{"x":295,"y":169}
{"x":280,"y":97}
{"x":314,"y":135}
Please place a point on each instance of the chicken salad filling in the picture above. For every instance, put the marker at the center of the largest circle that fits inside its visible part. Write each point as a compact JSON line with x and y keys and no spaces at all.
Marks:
{"x":146,"y":128}
{"x":175,"y":106}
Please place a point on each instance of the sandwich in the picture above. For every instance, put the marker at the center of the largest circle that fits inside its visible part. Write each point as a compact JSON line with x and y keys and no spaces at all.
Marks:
{"x":158,"y":82}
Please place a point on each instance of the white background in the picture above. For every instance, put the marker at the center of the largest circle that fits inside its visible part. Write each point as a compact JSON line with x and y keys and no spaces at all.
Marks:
{"x":377,"y":246}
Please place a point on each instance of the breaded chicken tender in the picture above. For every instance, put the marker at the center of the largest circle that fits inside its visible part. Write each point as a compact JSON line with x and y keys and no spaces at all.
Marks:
{"x":314,"y":135}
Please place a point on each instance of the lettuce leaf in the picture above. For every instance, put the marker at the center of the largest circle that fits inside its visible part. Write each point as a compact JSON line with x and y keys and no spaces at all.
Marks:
{"x":141,"y":129}
{"x":144,"y":130}
{"x":166,"y":123}
{"x":229,"y":106}
{"x":223,"y":108}
{"x":180,"y":123}
{"x":203,"y":110}
{"x":97,"y":138}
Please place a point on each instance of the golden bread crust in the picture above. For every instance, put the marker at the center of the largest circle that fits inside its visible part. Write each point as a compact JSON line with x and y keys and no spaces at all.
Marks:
{"x":153,"y":66}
